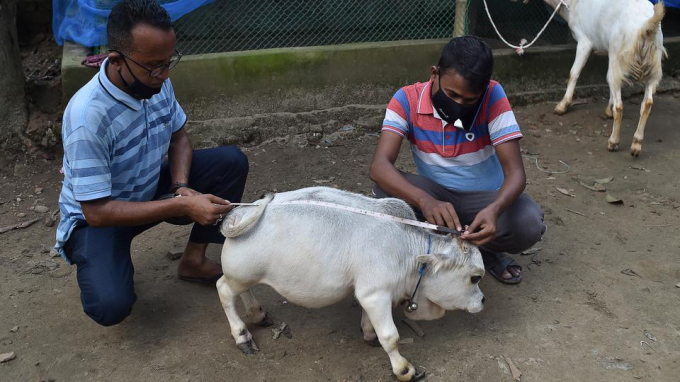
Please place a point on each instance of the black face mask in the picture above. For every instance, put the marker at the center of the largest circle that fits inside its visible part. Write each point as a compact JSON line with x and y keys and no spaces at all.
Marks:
{"x":451,"y":111}
{"x":138,"y":89}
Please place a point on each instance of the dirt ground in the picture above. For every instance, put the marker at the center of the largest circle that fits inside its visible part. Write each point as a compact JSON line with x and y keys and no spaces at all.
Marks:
{"x":599,"y":300}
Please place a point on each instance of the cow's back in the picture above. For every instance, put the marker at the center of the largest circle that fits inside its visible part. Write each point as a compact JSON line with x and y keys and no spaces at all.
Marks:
{"x":337,"y":247}
{"x":332,"y":227}
{"x":390,"y":206}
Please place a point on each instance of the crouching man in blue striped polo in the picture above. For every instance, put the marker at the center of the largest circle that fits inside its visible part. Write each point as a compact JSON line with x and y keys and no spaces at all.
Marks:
{"x":116,"y":133}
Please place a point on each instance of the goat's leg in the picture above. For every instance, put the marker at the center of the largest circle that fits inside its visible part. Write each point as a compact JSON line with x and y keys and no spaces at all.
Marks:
{"x":583,"y":50}
{"x":228,"y":290}
{"x":645,"y":109}
{"x":608,"y":111}
{"x":255,"y":312}
{"x":614,"y":77}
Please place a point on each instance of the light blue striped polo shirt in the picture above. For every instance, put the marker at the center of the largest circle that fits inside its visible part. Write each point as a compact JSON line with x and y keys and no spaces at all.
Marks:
{"x":113,"y":146}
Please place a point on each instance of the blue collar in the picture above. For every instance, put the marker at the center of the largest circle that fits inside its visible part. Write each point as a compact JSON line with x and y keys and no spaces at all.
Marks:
{"x":115,"y":92}
{"x":412,"y":306}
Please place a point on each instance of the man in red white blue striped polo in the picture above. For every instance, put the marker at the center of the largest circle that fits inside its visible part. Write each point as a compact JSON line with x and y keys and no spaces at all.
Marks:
{"x":465,"y":144}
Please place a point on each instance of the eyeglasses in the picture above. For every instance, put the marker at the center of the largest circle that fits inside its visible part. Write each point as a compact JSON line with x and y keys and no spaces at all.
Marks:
{"x":156,"y":70}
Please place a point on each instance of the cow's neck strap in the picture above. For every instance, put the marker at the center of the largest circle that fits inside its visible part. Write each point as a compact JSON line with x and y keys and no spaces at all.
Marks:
{"x":412,"y":306}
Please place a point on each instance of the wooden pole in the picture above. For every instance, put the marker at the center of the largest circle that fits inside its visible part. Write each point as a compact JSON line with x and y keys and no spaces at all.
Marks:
{"x":459,"y":22}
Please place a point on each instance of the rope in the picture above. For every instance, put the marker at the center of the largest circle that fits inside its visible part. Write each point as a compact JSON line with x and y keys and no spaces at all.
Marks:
{"x":523,"y":43}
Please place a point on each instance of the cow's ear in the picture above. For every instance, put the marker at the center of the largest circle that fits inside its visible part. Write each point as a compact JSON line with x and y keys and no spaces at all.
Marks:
{"x":434,"y":261}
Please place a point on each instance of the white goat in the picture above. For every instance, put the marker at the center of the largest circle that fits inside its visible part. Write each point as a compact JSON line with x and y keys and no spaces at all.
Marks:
{"x":629,"y":31}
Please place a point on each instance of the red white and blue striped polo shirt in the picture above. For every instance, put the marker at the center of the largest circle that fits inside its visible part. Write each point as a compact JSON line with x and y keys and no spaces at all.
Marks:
{"x":446,"y":154}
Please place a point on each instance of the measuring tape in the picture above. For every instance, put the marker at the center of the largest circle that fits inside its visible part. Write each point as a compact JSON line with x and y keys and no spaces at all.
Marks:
{"x":360,"y":211}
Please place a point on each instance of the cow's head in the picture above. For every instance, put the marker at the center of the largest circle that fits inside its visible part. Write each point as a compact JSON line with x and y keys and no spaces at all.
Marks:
{"x":451,"y":282}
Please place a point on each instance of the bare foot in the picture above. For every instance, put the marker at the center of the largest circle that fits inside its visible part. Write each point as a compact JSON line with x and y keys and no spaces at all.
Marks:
{"x":502,"y":267}
{"x":194,"y":264}
{"x":511,"y":271}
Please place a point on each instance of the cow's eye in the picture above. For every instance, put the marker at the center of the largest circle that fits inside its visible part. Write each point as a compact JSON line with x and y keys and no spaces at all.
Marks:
{"x":475,"y":279}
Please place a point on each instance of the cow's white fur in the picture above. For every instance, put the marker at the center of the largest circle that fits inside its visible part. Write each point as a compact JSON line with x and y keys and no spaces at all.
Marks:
{"x":316,"y":256}
{"x":629,"y":31}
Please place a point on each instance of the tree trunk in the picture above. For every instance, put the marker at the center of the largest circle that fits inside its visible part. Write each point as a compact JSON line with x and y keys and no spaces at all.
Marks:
{"x":13,"y":112}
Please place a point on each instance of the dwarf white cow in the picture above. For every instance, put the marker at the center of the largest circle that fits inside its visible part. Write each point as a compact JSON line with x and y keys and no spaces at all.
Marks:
{"x":629,"y":31}
{"x":315,"y":256}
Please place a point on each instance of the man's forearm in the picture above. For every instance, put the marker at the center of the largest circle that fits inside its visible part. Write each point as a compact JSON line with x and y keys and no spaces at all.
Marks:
{"x":515,"y":181}
{"x":180,"y":155}
{"x":106,"y":213}
{"x":512,"y":188}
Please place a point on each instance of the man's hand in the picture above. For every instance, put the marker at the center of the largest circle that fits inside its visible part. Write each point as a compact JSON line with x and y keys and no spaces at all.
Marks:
{"x":207,"y":209}
{"x":440,"y":213}
{"x":186,"y":191}
{"x":485,"y":221}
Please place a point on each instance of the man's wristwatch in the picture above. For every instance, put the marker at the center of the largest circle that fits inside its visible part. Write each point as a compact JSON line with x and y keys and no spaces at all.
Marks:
{"x":177,"y":185}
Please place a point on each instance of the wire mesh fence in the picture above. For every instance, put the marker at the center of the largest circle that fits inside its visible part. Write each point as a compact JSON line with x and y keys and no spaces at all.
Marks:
{"x":237,"y":25}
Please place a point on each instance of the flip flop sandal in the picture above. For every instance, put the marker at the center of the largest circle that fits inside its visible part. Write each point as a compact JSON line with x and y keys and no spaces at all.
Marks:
{"x":201,"y":280}
{"x":496,"y":263}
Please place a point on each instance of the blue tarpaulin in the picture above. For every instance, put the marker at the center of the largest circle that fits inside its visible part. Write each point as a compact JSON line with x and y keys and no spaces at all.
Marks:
{"x":84,"y":21}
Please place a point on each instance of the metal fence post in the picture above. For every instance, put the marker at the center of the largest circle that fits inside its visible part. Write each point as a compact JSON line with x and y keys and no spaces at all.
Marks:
{"x":459,"y":22}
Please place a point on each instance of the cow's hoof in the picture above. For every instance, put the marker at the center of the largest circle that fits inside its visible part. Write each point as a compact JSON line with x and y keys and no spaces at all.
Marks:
{"x":612,"y":146}
{"x":608,"y":112}
{"x":420,"y":374}
{"x":248,"y":347}
{"x":561,"y":108}
{"x":374,"y":342}
{"x":407,"y":373}
{"x":371,"y":338}
{"x":266,"y":321}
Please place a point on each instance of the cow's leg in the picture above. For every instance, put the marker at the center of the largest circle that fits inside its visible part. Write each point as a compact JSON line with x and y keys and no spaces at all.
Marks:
{"x":228,"y":290}
{"x":367,"y":329}
{"x":379,"y":310}
{"x":257,"y":315}
{"x":583,"y":50}
{"x":614,"y":77}
{"x":645,"y":108}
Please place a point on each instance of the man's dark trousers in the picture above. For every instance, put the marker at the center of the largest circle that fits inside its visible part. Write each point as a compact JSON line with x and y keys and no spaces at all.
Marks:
{"x":102,"y":255}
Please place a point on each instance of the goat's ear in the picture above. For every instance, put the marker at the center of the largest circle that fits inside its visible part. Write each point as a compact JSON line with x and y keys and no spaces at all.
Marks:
{"x":435,"y":261}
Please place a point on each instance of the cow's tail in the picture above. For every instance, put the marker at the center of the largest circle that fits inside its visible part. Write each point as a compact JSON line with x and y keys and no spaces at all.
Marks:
{"x":243,"y":218}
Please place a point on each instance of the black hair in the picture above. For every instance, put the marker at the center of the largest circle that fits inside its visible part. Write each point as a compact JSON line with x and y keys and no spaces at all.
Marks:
{"x":470,"y":57}
{"x":129,"y":13}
